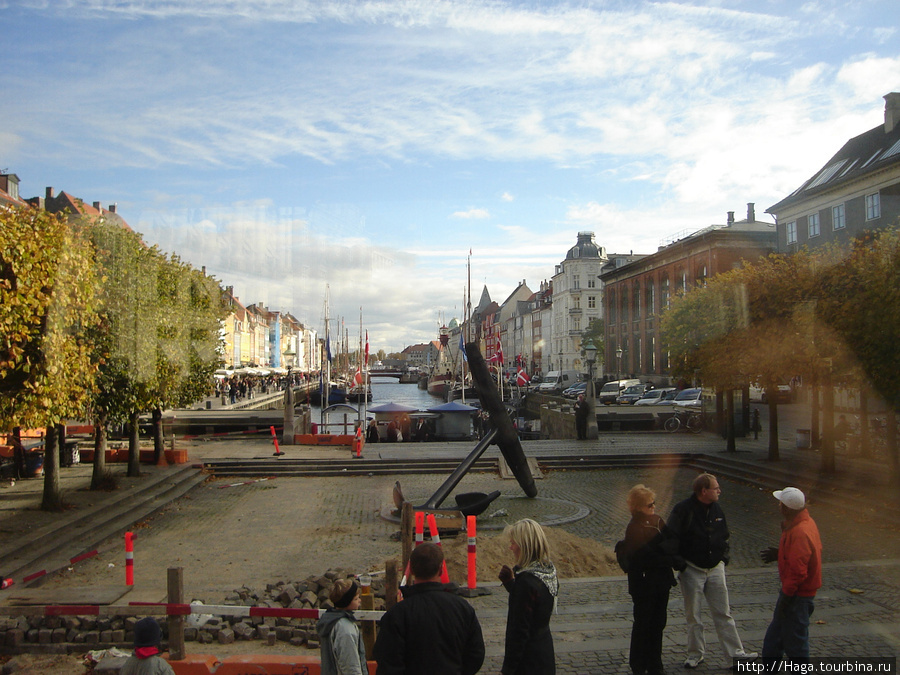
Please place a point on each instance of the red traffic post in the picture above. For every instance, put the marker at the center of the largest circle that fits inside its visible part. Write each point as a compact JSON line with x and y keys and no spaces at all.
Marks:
{"x":278,"y":451}
{"x":129,"y":559}
{"x":436,"y":538}
{"x":472,"y":589}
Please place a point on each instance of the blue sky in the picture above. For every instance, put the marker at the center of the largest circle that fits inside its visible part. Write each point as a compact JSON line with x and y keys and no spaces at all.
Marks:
{"x":370,"y":145}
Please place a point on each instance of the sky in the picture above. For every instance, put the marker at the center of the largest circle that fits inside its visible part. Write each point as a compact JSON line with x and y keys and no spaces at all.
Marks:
{"x":368,"y":147}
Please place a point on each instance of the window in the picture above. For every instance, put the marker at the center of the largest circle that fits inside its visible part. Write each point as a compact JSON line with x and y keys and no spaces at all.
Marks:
{"x":576,"y":302}
{"x":611,"y":303}
{"x":592,"y":283}
{"x":577,"y":282}
{"x":702,"y":273}
{"x":650,"y":302}
{"x":791,"y":232}
{"x":680,"y":281}
{"x":812,"y":225}
{"x":592,"y":302}
{"x":838,"y":217}
{"x":576,"y":323}
{"x":636,"y":302}
{"x":873,"y":206}
{"x":624,"y":305}
{"x":664,"y":293}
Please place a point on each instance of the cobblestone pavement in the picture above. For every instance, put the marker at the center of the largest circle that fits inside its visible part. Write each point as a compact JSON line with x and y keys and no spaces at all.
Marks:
{"x":226,"y":535}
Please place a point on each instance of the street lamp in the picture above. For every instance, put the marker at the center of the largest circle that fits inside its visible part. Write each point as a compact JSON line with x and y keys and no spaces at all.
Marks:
{"x":590,"y":350}
{"x":619,"y":361}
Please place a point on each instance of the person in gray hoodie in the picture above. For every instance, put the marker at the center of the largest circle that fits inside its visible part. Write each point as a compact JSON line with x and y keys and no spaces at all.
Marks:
{"x":341,"y":645}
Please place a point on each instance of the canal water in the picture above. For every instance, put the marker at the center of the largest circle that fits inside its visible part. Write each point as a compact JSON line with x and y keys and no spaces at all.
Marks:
{"x":389,"y":390}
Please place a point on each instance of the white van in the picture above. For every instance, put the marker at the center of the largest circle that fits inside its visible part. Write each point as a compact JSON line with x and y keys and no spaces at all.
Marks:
{"x":611,"y":390}
{"x":557,"y":380}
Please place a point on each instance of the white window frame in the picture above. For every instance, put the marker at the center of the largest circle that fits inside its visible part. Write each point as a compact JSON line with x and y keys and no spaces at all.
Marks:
{"x":592,"y":302}
{"x":813,"y":227}
{"x":838,"y":217}
{"x":873,"y":206}
{"x":790,"y":232}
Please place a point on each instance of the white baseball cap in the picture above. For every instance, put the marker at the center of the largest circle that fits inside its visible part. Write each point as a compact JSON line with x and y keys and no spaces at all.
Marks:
{"x":791,"y":497}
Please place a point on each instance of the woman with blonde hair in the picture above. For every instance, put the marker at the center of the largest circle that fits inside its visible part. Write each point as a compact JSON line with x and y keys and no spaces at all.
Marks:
{"x":341,"y":645}
{"x":533,"y":588}
{"x":648,"y":553}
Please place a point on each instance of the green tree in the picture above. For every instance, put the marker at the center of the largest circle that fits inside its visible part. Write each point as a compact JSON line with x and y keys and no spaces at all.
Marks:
{"x":125,"y":338}
{"x":48,"y":294}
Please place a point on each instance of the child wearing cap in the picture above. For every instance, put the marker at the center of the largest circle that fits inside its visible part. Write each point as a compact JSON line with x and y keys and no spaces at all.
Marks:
{"x":342,"y":649}
{"x":145,"y":660}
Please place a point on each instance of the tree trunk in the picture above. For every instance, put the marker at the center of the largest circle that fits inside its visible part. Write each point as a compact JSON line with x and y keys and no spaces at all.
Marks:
{"x":134,"y":446}
{"x":864,"y":439}
{"x":891,"y":445}
{"x":18,"y":453}
{"x":814,"y":416}
{"x":827,"y":447}
{"x":52,"y":500}
{"x":729,"y":421}
{"x":99,"y":472}
{"x":158,"y":448}
{"x":773,"y":427}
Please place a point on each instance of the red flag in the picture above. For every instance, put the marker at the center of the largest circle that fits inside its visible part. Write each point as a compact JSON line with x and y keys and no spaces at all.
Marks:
{"x":358,"y":378}
{"x":367,"y":349}
{"x":500,"y":351}
{"x":522,"y":377}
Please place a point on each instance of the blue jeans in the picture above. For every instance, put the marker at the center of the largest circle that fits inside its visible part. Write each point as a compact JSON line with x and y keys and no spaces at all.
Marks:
{"x":788,"y":634}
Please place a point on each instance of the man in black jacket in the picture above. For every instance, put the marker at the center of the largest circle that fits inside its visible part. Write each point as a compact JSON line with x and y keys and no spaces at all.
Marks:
{"x":699,"y":524}
{"x":432,"y":631}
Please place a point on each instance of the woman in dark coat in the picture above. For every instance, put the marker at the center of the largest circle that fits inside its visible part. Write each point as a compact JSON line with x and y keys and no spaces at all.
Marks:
{"x":648,"y":553}
{"x":533,"y":588}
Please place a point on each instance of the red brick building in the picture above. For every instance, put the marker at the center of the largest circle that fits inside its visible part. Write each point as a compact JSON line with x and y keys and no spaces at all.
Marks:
{"x":636,"y":293}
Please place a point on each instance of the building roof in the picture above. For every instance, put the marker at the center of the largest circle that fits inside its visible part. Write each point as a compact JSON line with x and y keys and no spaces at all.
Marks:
{"x":866,"y":154}
{"x":584,"y":248}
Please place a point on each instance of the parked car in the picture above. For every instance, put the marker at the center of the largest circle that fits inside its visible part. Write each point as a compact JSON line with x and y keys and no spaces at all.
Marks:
{"x":575,"y":390}
{"x":783,"y":394}
{"x":611,"y":390}
{"x":689,"y":398}
{"x":631,"y":394}
{"x":557,"y":381}
{"x":654,"y":396}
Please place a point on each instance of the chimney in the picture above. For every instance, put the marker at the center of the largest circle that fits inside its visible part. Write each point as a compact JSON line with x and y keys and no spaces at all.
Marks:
{"x":751,"y":212}
{"x":891,"y":111}
{"x":730,"y":218}
{"x":97,"y":206}
{"x":112,"y":208}
{"x":49,"y":194}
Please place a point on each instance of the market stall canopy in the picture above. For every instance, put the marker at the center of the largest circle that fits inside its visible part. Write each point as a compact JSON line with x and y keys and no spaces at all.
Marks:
{"x":453,"y":406}
{"x":392,"y":408}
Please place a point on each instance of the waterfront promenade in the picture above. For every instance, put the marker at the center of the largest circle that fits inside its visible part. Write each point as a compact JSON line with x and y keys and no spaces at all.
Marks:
{"x":305,"y":525}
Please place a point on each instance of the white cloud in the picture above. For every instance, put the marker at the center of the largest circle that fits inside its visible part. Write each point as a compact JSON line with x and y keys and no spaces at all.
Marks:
{"x":476,"y":214}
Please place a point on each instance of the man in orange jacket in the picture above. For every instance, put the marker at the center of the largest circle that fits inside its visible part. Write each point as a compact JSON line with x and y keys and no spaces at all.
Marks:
{"x":799,"y":556}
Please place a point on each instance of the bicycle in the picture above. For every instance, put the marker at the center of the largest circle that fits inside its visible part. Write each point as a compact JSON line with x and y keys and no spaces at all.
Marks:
{"x":691,"y":420}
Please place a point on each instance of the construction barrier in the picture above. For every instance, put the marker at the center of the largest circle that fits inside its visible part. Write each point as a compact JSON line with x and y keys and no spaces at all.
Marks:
{"x":204,"y":664}
{"x":358,"y":442}
{"x":275,"y":441}
{"x":436,"y":539}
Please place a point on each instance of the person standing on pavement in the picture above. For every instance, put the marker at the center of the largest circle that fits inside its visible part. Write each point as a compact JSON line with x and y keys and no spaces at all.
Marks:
{"x":533,"y":588}
{"x":799,"y":555}
{"x":342,"y":649}
{"x":702,"y":531}
{"x":432,"y":631}
{"x":582,"y":411}
{"x":647,"y":554}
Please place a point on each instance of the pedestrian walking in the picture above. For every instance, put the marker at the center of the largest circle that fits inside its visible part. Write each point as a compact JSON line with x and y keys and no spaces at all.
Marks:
{"x":341,"y":645}
{"x":533,"y":588}
{"x":799,"y":556}
{"x":647,"y":555}
{"x":702,"y":531}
